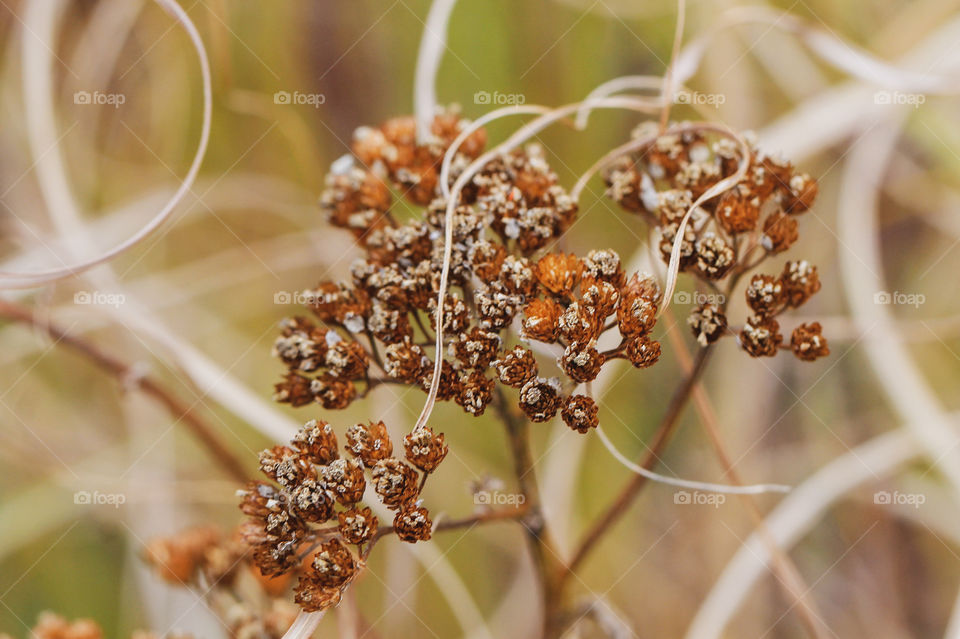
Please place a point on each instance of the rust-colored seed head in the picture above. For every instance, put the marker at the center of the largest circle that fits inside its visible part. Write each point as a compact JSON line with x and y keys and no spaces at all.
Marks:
{"x":540,"y":320}
{"x":413,"y":524}
{"x":738,"y":211}
{"x":487,"y":258}
{"x":395,"y":483}
{"x":312,"y":596}
{"x":808,"y":343}
{"x":294,"y":390}
{"x":456,"y":315}
{"x":559,"y":273}
{"x":801,"y":192}
{"x":540,"y":399}
{"x":604,"y":265}
{"x":317,"y":442}
{"x":765,"y":295}
{"x":708,"y":323}
{"x":642,"y":351}
{"x":347,"y":360}
{"x":637,"y":312}
{"x":517,"y":276}
{"x":285,"y":466}
{"x":581,"y":363}
{"x":424,"y":449}
{"x":405,"y":362}
{"x":516,"y":367}
{"x":311,"y":501}
{"x":332,"y":392}
{"x":369,"y":442}
{"x":779,"y":232}
{"x":474,"y":392}
{"x":450,"y":384}
{"x":476,"y":348}
{"x":714,"y":256}
{"x":178,"y":558}
{"x":578,"y":323}
{"x":334,"y":564}
{"x":761,"y":336}
{"x":800,"y":282}
{"x":259,"y":499}
{"x":599,"y":296}
{"x":344,"y":478}
{"x":580,"y":413}
{"x":357,"y":525}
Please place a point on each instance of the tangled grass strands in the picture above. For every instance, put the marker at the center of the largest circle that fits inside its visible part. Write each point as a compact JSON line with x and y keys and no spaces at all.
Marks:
{"x":616,"y":85}
{"x":432,"y":44}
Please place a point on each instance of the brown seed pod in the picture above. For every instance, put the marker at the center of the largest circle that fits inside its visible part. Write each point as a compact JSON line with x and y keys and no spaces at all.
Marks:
{"x":369,"y":442}
{"x":476,"y":348}
{"x":425,"y":450}
{"x":540,"y":320}
{"x":765,"y":295}
{"x":285,"y":466}
{"x":642,"y":351}
{"x":579,"y":323}
{"x":405,"y":361}
{"x":317,"y":442}
{"x":294,"y":390}
{"x":708,"y":323}
{"x":761,"y":336}
{"x":412,"y":524}
{"x":779,"y":232}
{"x":474,"y":392}
{"x":395,"y":483}
{"x":604,"y":265}
{"x":344,"y":478}
{"x":516,"y":367}
{"x":540,"y":399}
{"x":808,"y":343}
{"x":581,"y":363}
{"x":357,"y":525}
{"x":332,"y":392}
{"x":801,"y":192}
{"x":311,"y":501}
{"x":800,"y":282}
{"x":559,"y":273}
{"x":580,"y":413}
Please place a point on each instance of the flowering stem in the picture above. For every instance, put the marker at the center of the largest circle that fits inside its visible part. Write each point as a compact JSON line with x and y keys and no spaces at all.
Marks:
{"x":633,"y":487}
{"x":127,"y":374}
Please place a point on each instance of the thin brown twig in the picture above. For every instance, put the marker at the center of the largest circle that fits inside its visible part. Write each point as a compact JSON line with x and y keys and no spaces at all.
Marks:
{"x":126,"y":374}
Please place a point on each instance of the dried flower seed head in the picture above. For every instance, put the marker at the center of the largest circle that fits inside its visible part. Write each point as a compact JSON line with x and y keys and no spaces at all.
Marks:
{"x":347,"y":360}
{"x":354,"y":200}
{"x":285,"y":466}
{"x":708,"y":323}
{"x":673,"y":204}
{"x":559,"y":273}
{"x":456,"y":315}
{"x":540,"y":399}
{"x":395,"y":483}
{"x":800,"y":282}
{"x":301,"y":345}
{"x":487,"y":258}
{"x":637,"y":312}
{"x":518,"y":277}
{"x":714,"y":256}
{"x":475,"y":392}
{"x":516,"y":367}
{"x":779,"y":232}
{"x":476,"y":348}
{"x":642,"y":351}
{"x":425,"y":450}
{"x":338,"y":304}
{"x":738,"y":211}
{"x":765,"y":295}
{"x":579,"y":323}
{"x":259,"y":499}
{"x":600,"y":297}
{"x":761,"y":336}
{"x":581,"y":363}
{"x":317,"y":442}
{"x":357,"y":525}
{"x":389,"y":325}
{"x":294,"y":390}
{"x":332,"y":392}
{"x":541,"y":320}
{"x":405,"y":361}
{"x":313,"y":597}
{"x":801,"y":192}
{"x":808,"y":343}
{"x":369,"y":442}
{"x":450,"y":384}
{"x":311,"y":501}
{"x":495,"y":306}
{"x":344,"y":478}
{"x":580,"y":413}
{"x":334,"y":564}
{"x":413,"y":524}
{"x":688,"y":251}
{"x":604,"y":265}
{"x":177,"y":558}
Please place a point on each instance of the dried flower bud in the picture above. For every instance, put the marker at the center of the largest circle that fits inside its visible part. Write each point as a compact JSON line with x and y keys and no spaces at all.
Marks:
{"x":637,"y":312}
{"x":357,"y":525}
{"x":425,"y":450}
{"x":487,"y":259}
{"x":347,"y":360}
{"x":311,"y":501}
{"x":516,"y":367}
{"x":332,"y":392}
{"x":541,"y":320}
{"x":518,"y":277}
{"x":285,"y":466}
{"x":177,"y":558}
{"x":779,"y":232}
{"x":405,"y":361}
{"x":808,"y":343}
{"x":476,"y":348}
{"x":802,"y":191}
{"x":580,"y":413}
{"x":604,"y":265}
{"x":800,"y":282}
{"x":314,"y":597}
{"x":765,"y":295}
{"x":714,"y":256}
{"x":599,"y":296}
{"x":412,"y":525}
{"x":474,"y":392}
{"x":738,"y":211}
{"x":369,"y":442}
{"x":338,"y":304}
{"x":293,"y":390}
{"x":581,"y":363}
{"x":389,"y":325}
{"x":317,"y":442}
{"x":344,"y":478}
{"x":395,"y":483}
{"x":456,"y":315}
{"x":642,"y":351}
{"x":579,"y":323}
{"x":334,"y":564}
{"x":559,"y":273}
{"x":761,"y":336}
{"x":708,"y":323}
{"x":259,"y":499}
{"x":450,"y":384}
{"x":540,"y":399}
